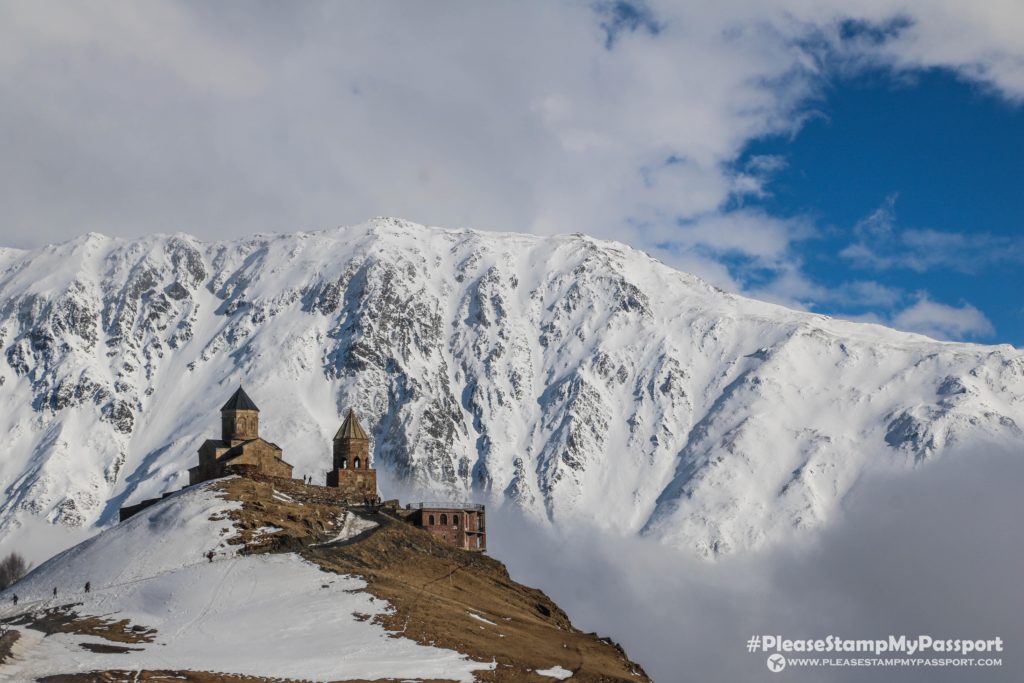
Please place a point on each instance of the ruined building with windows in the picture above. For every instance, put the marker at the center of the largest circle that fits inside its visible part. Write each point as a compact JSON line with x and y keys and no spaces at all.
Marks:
{"x":459,"y":524}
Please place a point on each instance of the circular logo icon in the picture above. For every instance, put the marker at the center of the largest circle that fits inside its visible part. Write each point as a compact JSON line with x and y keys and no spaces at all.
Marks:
{"x":776,"y":663}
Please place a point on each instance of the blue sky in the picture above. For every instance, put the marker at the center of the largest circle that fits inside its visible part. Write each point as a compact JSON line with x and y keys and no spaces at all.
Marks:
{"x":858,"y":159}
{"x":937,"y":163}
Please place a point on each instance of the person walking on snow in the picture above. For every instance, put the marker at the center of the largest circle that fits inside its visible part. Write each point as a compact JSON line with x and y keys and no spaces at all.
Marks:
{"x":54,"y":591}
{"x":15,"y":598}
{"x":88,"y":585}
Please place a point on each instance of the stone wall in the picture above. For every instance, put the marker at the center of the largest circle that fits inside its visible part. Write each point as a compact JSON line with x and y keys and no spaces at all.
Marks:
{"x":264,"y":455}
{"x":356,"y":484}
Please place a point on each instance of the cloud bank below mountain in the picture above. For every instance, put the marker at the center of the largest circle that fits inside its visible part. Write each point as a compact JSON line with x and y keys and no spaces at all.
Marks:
{"x":934,"y":552}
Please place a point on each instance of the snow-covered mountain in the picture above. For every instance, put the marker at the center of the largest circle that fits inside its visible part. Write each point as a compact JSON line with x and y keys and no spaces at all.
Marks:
{"x":578,"y":379}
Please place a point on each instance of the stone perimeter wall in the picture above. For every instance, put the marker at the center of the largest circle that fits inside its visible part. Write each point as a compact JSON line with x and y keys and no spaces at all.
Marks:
{"x":293,"y":488}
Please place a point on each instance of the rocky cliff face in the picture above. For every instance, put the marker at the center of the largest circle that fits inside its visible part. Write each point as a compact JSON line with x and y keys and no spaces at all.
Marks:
{"x":578,"y":379}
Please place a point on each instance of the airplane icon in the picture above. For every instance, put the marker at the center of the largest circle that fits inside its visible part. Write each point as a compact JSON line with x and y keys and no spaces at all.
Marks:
{"x":776,"y":663}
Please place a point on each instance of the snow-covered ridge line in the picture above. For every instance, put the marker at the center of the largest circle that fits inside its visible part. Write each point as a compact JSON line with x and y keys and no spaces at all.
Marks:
{"x":578,"y":379}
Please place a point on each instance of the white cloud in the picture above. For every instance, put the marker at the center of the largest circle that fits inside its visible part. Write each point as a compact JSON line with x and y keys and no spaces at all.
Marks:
{"x":163,"y":116}
{"x":153,"y":37}
{"x":748,"y":233}
{"x":871,"y":293}
{"x":884,"y":567}
{"x":978,"y":40}
{"x":943,"y":322}
{"x":166,"y":116}
{"x":793,"y":288}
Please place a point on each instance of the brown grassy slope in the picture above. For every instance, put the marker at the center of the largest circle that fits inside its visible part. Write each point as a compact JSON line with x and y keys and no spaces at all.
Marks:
{"x":433,"y":588}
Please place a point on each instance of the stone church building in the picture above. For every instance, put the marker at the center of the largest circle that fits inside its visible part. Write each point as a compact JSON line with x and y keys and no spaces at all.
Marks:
{"x":241,"y":450}
{"x":352,"y":480}
{"x":240,"y":446}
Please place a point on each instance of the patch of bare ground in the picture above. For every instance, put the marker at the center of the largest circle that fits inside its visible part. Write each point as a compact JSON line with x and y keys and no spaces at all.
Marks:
{"x":441,"y":595}
{"x":280,"y":515}
{"x":65,"y":619}
{"x":7,"y":641}
{"x":104,"y":649}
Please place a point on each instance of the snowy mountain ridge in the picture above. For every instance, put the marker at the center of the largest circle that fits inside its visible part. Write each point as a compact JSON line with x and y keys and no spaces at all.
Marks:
{"x":580,"y":380}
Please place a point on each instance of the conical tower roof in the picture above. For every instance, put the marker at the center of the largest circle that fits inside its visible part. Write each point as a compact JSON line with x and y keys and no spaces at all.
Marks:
{"x":239,"y":401}
{"x":350,"y":428}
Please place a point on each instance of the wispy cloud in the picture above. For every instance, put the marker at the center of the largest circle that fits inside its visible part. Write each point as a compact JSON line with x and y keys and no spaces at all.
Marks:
{"x":942,"y":321}
{"x":912,"y":312}
{"x":880,"y":244}
{"x":620,"y":15}
{"x":874,"y":302}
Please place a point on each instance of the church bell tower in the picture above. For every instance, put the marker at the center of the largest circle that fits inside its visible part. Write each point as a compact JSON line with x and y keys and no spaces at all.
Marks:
{"x":351,"y":467}
{"x":239,"y":418}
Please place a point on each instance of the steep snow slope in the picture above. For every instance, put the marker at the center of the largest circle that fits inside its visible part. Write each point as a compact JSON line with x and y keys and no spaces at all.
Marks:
{"x":580,"y":380}
{"x":262,"y":615}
